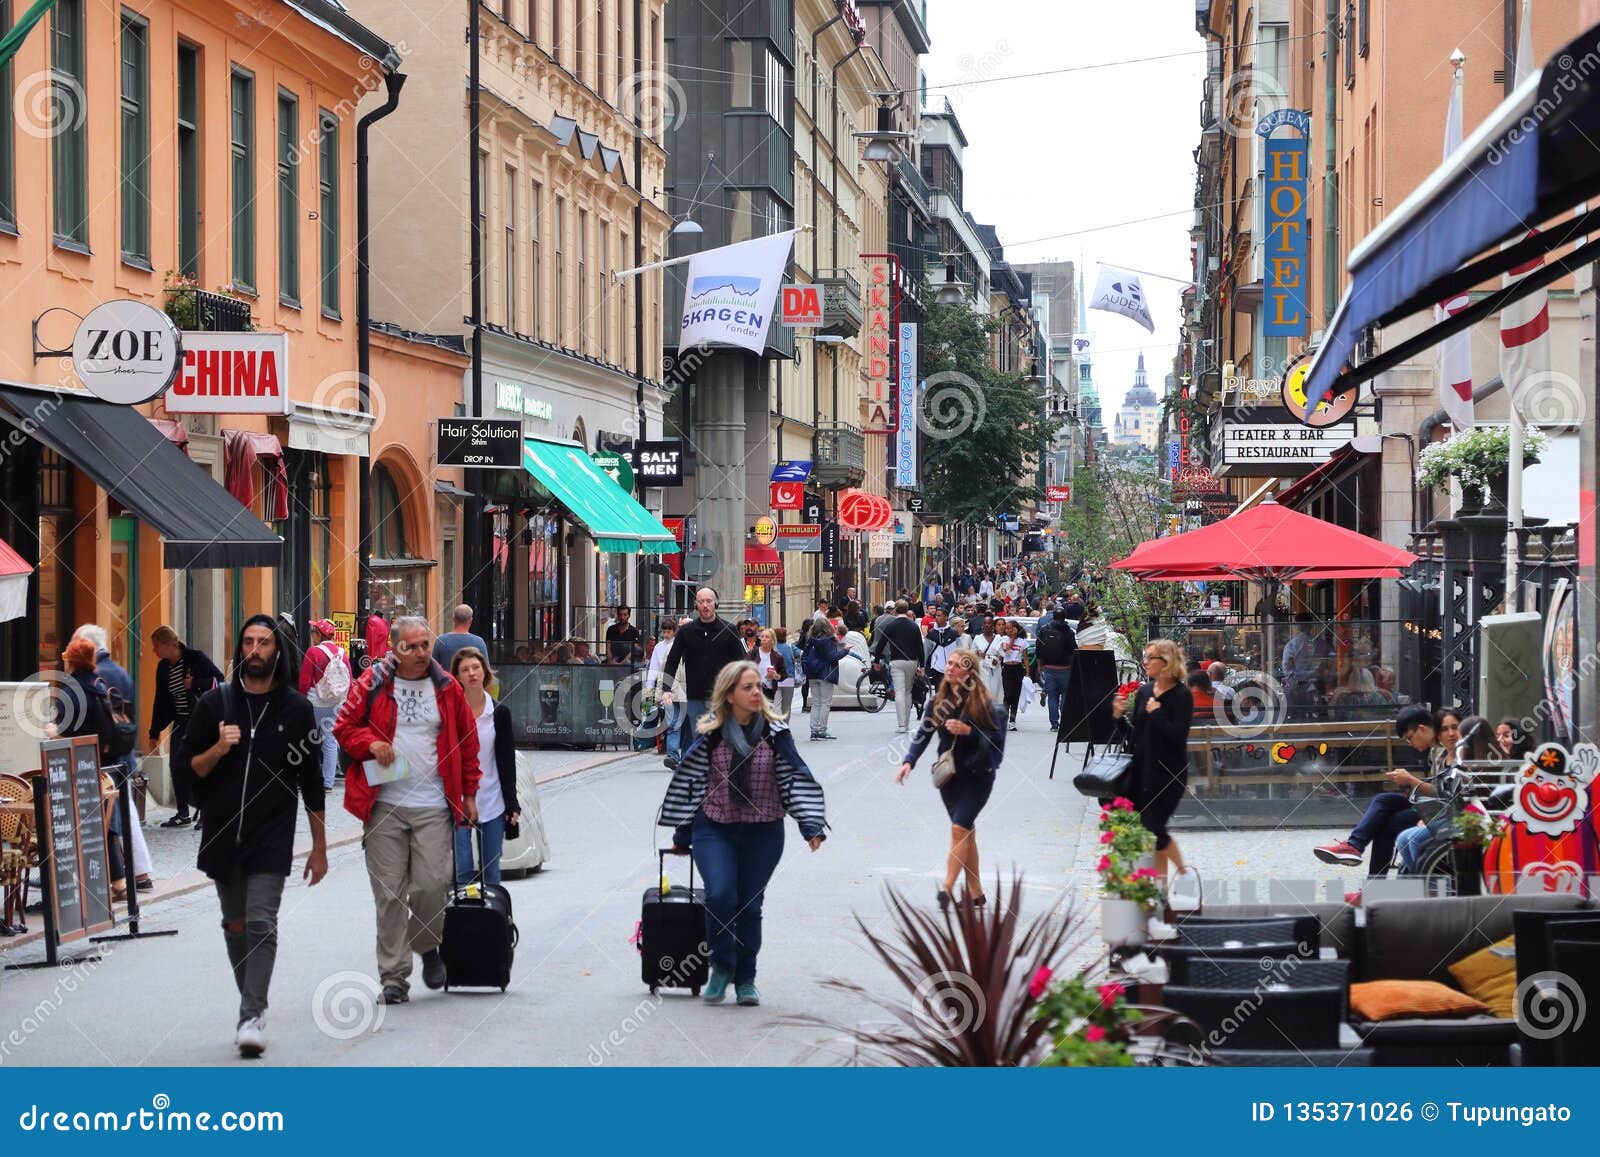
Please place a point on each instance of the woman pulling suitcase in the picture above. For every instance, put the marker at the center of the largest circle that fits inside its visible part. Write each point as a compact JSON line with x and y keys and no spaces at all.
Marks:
{"x":726,"y":802}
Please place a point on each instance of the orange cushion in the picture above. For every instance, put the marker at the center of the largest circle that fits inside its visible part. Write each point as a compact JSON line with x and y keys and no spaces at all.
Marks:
{"x":1396,"y":999}
{"x":1490,"y":978}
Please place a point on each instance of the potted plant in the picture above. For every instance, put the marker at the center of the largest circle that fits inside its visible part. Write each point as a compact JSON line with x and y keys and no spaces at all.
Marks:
{"x":1090,"y":1025}
{"x":1478,"y":459}
{"x":1473,"y":832}
{"x":1130,"y":888}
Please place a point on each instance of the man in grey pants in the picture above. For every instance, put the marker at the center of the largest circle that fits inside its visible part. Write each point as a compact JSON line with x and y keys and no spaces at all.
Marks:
{"x":408,"y":722}
{"x":898,"y":641}
{"x":255,"y":743}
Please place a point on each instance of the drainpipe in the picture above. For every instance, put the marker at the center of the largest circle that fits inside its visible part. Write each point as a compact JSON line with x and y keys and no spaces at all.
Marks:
{"x":1330,"y":170}
{"x":641,"y":570}
{"x":478,"y":565}
{"x":393,"y":82}
{"x":816,"y":386}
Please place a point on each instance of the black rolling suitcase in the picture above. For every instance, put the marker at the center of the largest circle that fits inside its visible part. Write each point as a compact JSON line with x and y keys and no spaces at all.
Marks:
{"x":480,"y":937}
{"x":672,"y":935}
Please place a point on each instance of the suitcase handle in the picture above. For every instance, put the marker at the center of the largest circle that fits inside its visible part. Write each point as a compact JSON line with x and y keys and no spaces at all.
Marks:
{"x":661,"y":855}
{"x":477,"y":877}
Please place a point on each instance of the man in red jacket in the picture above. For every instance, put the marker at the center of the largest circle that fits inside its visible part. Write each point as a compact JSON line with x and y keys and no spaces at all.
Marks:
{"x":407,"y":720}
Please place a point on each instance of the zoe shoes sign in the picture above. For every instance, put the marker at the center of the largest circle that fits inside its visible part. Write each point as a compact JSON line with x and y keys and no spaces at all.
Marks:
{"x":126,"y":352}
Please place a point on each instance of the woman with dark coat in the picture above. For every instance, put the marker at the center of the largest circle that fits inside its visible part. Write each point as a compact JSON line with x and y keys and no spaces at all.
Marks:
{"x":1157,"y":725}
{"x":726,"y":804}
{"x":85,"y":709}
{"x":498,"y":807}
{"x":969,"y":722}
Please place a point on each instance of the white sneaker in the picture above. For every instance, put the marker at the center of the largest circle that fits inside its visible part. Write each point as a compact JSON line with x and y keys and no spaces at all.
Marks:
{"x":251,"y":1038}
{"x":1159,"y":929}
{"x":1183,"y":891}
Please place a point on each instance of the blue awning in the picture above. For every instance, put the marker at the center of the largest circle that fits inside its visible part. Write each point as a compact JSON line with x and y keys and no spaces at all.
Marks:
{"x":1530,"y":161}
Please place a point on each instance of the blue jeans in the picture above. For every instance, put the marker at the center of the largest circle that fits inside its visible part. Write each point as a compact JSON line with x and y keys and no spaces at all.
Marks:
{"x":1409,"y":845}
{"x":1389,"y":814}
{"x":1055,"y":680}
{"x":735,"y":862}
{"x":494,"y":839}
{"x":692,"y":710}
{"x":330,"y":746}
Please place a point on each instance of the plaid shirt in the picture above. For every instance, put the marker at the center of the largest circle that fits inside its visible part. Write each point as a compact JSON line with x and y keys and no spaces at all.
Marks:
{"x":727,"y":806}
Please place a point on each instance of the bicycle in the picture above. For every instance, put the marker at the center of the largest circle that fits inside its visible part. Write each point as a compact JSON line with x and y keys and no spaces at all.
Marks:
{"x":873,"y":691}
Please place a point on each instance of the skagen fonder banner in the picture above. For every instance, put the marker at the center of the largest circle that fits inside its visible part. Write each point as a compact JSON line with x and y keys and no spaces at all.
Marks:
{"x":729,"y":293}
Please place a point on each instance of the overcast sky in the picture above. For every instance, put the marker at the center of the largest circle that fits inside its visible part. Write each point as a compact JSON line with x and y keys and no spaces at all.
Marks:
{"x":1076,"y":151}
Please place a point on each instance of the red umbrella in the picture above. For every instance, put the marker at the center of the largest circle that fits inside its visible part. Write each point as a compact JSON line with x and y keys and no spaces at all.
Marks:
{"x":1217,"y":575}
{"x":1267,"y":543}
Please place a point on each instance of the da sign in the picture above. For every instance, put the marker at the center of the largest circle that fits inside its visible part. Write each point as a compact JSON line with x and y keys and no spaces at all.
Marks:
{"x":802,"y":305}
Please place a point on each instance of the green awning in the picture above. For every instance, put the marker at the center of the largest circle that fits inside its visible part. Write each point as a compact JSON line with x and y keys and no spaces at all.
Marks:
{"x":616,"y":522}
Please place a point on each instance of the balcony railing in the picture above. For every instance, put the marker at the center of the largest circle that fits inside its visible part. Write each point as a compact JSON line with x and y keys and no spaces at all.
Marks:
{"x":200,"y":309}
{"x":841,"y":305}
{"x":916,"y":184}
{"x":840,"y":458}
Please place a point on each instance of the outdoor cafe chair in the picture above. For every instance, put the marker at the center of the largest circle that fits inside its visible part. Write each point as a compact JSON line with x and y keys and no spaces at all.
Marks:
{"x":1578,"y":961}
{"x":1255,"y":1018}
{"x":1284,"y":972}
{"x":1304,"y":928}
{"x":1178,"y":955}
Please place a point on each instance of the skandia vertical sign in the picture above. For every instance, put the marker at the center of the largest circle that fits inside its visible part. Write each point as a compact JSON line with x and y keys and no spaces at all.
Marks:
{"x":729,"y":293}
{"x":1284,"y":312}
{"x":880,"y":319}
{"x":232,"y":373}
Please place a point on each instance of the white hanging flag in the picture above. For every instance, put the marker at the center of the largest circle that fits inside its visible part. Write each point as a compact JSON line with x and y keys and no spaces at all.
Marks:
{"x":1455,"y":352}
{"x":1119,"y":291}
{"x":730,"y":290}
{"x":1524,"y":324}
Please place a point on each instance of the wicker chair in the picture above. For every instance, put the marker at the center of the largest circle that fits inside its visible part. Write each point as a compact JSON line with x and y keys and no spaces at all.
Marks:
{"x":1232,"y":935}
{"x":1272,"y":1019}
{"x":18,"y":850}
{"x":1179,"y":956}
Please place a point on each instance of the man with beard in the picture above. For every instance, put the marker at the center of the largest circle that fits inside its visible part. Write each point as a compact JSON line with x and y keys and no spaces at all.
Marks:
{"x":255,"y":745}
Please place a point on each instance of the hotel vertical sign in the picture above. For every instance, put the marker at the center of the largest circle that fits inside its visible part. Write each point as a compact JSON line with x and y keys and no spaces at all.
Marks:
{"x":1286,"y":272}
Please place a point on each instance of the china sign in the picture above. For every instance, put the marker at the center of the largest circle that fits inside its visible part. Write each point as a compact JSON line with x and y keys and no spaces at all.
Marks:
{"x":1284,"y":310}
{"x":232,"y":373}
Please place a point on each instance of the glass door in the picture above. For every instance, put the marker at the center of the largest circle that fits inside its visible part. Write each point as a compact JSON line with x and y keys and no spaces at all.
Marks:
{"x":122,"y":632}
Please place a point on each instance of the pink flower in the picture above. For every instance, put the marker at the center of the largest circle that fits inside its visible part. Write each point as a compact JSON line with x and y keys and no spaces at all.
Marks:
{"x":1107,"y":837}
{"x":1111,"y":993}
{"x":1122,"y":803}
{"x":1105,"y":862}
{"x":1094,"y":1034}
{"x":1039,"y":982}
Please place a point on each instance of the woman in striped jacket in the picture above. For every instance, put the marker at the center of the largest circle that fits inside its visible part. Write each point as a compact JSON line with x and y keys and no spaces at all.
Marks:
{"x":726,"y":801}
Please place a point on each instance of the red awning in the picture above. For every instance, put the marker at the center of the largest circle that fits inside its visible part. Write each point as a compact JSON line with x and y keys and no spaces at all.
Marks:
{"x":763,"y":567}
{"x":1268,"y":542}
{"x":11,"y":562}
{"x":173,"y":432}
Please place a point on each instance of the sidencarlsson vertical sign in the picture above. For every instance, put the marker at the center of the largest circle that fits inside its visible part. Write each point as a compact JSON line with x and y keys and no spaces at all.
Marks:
{"x":905,"y":457}
{"x":1286,"y":271}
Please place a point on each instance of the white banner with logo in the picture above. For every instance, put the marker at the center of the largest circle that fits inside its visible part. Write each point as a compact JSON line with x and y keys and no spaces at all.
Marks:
{"x":729,"y":292}
{"x":1120,"y":291}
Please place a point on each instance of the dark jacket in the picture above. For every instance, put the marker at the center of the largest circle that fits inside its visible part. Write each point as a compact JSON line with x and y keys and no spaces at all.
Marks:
{"x":505,"y":756}
{"x":981,"y":750}
{"x":855,"y":618}
{"x":250,"y":797}
{"x":85,"y":710}
{"x":703,"y":649}
{"x":1057,"y":643}
{"x":1159,"y":739}
{"x":824,"y":653}
{"x":799,"y":789}
{"x":899,"y":638}
{"x":203,"y":676}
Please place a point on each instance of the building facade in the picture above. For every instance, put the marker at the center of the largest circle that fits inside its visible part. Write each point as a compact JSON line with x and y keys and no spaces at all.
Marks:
{"x":197,"y":158}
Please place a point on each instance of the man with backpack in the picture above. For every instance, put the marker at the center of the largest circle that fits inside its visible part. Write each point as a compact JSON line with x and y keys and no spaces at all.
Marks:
{"x":703,"y":647}
{"x":325,"y":680}
{"x":899,"y":643}
{"x":1056,"y":644}
{"x":120,"y":702}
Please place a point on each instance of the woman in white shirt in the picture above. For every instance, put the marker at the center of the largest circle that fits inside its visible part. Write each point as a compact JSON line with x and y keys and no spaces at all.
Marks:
{"x":1093,"y":634}
{"x":498,"y":808}
{"x":1013,"y":665}
{"x":990,"y":647}
{"x":770,"y":665}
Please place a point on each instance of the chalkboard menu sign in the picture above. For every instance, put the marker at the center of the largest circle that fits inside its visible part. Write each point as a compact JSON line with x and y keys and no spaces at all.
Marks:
{"x":79,"y":880}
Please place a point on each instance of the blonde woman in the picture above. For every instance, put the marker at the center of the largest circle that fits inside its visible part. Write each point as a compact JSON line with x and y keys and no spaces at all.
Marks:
{"x":726,"y":803}
{"x":965,"y":718}
{"x":1157,"y":723}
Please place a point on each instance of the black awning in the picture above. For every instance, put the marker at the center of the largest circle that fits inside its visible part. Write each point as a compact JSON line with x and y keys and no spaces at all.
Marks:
{"x":202,"y":524}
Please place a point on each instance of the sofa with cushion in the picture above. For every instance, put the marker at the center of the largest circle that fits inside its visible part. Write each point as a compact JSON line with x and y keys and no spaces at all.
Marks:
{"x":1419,"y":941}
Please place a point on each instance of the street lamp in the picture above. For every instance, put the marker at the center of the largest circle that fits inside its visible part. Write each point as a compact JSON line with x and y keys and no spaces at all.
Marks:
{"x":952,"y":290}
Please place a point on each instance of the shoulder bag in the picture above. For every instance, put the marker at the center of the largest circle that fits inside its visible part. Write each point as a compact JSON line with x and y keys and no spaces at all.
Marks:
{"x":1108,"y":775}
{"x":944,"y":768}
